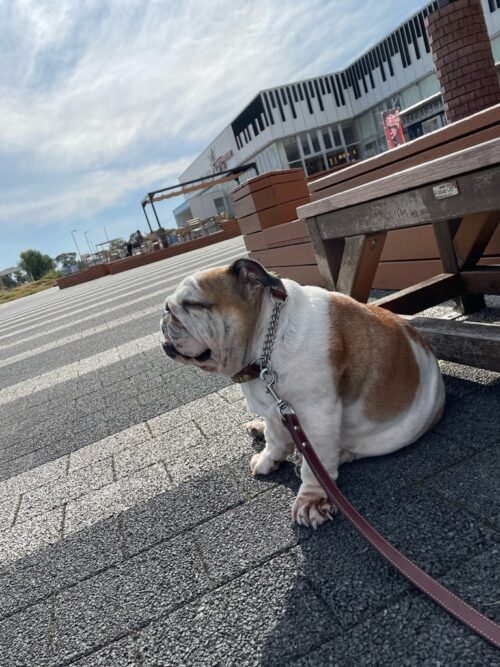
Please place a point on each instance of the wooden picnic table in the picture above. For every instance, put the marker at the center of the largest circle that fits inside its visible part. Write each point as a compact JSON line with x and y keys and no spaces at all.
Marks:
{"x":459,"y":194}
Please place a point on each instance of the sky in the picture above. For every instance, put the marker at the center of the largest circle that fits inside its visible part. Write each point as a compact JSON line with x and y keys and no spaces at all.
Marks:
{"x":103,"y":101}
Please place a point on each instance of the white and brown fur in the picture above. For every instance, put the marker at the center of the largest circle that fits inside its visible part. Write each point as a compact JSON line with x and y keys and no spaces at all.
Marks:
{"x":362,"y":380}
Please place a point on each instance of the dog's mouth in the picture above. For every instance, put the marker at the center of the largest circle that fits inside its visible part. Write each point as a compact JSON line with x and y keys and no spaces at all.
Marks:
{"x":171,"y":352}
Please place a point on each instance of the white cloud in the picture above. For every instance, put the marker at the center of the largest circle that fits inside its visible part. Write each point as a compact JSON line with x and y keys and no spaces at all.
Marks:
{"x":89,"y":194}
{"x":99,"y":99}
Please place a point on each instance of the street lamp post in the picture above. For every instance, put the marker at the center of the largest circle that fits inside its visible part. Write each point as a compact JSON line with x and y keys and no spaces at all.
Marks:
{"x":76,"y":244}
{"x":88,"y":243}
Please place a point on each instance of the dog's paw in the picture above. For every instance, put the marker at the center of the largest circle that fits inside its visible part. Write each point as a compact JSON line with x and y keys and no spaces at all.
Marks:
{"x":255,"y":429}
{"x":263,"y":464}
{"x":312,"y":508}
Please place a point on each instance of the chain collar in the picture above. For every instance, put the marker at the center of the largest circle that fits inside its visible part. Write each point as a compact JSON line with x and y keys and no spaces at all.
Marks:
{"x":253,"y":370}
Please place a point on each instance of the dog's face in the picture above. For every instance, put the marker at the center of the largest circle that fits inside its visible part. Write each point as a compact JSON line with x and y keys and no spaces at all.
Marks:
{"x":210,"y":318}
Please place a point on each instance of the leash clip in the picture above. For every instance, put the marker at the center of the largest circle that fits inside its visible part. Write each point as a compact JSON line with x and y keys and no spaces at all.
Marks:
{"x":269,"y":377}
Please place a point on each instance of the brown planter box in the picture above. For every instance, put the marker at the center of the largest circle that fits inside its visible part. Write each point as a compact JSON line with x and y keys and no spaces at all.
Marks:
{"x":266,"y":180}
{"x":255,"y":241}
{"x":270,"y":217}
{"x":305,"y":275}
{"x":292,"y":255}
{"x":83,"y":276}
{"x":287,"y":234}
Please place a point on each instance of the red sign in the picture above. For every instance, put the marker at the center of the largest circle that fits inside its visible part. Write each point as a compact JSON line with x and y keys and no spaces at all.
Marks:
{"x":393,"y":128}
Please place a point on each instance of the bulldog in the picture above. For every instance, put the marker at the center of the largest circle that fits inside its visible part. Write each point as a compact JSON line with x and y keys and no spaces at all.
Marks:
{"x":362,"y":381}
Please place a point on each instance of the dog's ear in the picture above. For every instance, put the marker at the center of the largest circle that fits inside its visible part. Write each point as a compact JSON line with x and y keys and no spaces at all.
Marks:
{"x":252,"y":277}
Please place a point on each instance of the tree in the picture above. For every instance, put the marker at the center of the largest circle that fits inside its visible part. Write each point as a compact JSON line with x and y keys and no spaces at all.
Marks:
{"x":35,"y":264}
{"x":66,"y":259}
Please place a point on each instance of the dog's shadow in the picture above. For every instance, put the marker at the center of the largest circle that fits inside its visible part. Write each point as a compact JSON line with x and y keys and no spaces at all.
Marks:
{"x":338,"y":589}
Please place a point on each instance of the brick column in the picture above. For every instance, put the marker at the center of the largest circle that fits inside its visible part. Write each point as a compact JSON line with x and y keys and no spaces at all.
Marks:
{"x":461,"y":51}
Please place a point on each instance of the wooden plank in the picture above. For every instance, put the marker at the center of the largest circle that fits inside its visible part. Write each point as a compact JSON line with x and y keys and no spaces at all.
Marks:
{"x":473,"y":236}
{"x":445,"y":235}
{"x":414,"y":160}
{"x":411,"y":243}
{"x":423,"y":295}
{"x":471,"y":124}
{"x":482,"y":280}
{"x":443,"y":169}
{"x":292,"y":255}
{"x":265,"y":181}
{"x":271,"y":196}
{"x":295,"y":232}
{"x":305,"y":275}
{"x":478,"y":191}
{"x":270,"y":217}
{"x":359,"y":264}
{"x":462,"y":342}
{"x":399,"y":275}
{"x":255,"y":241}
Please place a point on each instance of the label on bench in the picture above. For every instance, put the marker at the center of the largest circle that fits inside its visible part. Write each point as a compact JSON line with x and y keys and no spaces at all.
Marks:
{"x":443,"y":190}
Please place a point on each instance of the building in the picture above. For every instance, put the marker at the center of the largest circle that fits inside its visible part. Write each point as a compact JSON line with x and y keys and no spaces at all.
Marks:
{"x":330,"y":120}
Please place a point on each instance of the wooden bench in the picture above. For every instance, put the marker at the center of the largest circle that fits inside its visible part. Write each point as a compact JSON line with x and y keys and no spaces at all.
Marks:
{"x":451,"y":184}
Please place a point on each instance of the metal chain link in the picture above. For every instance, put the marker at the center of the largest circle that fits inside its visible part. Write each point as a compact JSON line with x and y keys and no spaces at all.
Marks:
{"x":269,"y":340}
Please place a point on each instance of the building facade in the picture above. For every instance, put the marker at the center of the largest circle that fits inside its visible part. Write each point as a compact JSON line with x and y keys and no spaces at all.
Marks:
{"x":330,"y":120}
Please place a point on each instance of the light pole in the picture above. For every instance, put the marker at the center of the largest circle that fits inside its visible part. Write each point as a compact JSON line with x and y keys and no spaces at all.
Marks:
{"x":88,"y":243}
{"x":76,"y":244}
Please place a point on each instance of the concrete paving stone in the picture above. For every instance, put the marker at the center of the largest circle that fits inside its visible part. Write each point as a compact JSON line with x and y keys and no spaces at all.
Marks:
{"x":186,"y":413}
{"x":209,"y":454}
{"x":59,"y":566}
{"x":32,"y":479}
{"x":24,"y":637}
{"x":232,"y":393}
{"x":178,"y":510}
{"x":381,"y":474}
{"x":234,"y":414}
{"x":429,"y":531}
{"x":265,"y":617}
{"x":77,"y":483}
{"x":415,"y":632}
{"x":252,"y":533}
{"x":7,"y":510}
{"x":171,"y":444}
{"x":125,"y":597}
{"x":107,"y":446}
{"x":26,"y":538}
{"x":473,"y":484}
{"x":252,"y":486}
{"x":463,"y":415}
{"x":469,"y":374}
{"x":89,"y":404}
{"x":121,"y":653}
{"x":115,"y":498}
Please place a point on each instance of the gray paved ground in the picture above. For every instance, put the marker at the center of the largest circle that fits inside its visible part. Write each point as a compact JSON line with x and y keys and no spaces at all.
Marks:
{"x":131,"y":532}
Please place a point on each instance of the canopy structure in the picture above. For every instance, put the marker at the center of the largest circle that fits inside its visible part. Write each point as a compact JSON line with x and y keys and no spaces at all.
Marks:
{"x":203,"y":183}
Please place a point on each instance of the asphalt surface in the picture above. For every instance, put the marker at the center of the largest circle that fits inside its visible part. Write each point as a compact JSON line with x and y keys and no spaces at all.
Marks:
{"x":132,"y":534}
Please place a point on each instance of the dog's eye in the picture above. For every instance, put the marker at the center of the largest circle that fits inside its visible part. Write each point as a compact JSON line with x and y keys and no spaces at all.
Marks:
{"x":195,"y":304}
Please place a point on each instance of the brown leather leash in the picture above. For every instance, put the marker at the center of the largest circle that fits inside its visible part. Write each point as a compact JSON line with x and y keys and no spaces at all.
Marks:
{"x":454,"y":605}
{"x":462,"y":611}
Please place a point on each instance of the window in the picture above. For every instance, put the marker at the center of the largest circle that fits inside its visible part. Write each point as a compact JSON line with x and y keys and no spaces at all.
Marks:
{"x":291,"y":149}
{"x":334,"y":158}
{"x":348,"y":134}
{"x":336,"y":136}
{"x":305,"y":144}
{"x":327,"y":139}
{"x":314,"y":165}
{"x":315,"y":142}
{"x":353,"y":152}
{"x":219,"y":205}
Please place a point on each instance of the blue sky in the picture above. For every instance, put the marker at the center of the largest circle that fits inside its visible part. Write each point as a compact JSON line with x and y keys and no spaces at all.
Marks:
{"x":102,"y":101}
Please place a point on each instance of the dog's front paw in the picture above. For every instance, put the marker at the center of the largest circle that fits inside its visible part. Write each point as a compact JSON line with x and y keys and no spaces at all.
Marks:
{"x":312,"y":508}
{"x":262,"y":463}
{"x":255,"y":429}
